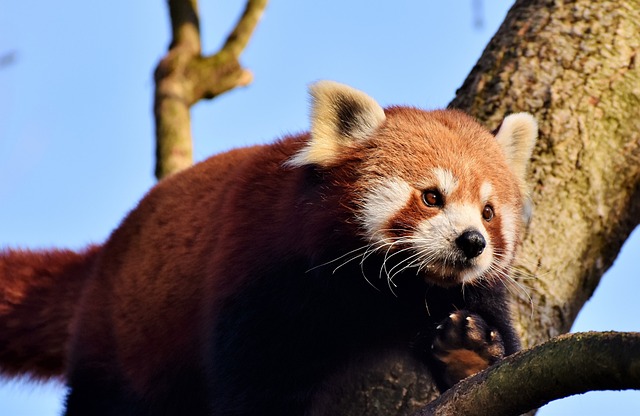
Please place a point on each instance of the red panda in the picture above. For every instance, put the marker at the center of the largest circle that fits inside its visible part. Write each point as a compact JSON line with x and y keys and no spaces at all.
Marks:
{"x":241,"y":285}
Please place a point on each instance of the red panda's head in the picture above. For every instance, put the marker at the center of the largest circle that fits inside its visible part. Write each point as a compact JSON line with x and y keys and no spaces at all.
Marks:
{"x":434,"y":190}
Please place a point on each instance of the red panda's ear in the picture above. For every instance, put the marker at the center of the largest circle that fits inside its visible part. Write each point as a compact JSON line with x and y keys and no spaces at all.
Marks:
{"x":340,"y":117}
{"x":516,"y":137}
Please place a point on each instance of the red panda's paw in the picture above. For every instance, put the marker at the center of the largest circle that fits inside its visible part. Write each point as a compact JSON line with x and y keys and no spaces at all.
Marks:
{"x":466,"y":344}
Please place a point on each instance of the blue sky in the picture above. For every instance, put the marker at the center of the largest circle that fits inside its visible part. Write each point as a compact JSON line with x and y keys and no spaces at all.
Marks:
{"x":76,"y":128}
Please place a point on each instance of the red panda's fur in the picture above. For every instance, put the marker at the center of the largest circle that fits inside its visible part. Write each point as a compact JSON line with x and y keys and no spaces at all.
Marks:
{"x":221,"y":294}
{"x":38,"y":295}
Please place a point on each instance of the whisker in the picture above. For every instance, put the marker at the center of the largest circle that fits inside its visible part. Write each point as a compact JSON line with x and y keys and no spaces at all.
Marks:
{"x":337,"y":259}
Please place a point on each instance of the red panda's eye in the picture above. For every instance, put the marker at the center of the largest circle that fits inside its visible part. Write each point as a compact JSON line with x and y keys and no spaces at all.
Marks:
{"x":487,"y":213}
{"x":432,"y":198}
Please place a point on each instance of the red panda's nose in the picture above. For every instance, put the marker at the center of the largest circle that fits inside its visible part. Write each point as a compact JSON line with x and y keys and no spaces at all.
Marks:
{"x":472,"y":243}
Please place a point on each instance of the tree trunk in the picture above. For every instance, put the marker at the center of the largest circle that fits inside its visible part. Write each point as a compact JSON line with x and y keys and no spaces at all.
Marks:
{"x":573,"y":65}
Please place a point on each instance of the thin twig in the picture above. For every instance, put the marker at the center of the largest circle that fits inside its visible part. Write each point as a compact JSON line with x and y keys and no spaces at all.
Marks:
{"x":239,"y":37}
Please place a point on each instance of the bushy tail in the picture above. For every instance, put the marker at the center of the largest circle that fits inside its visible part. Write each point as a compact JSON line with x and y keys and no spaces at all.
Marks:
{"x":38,"y":293}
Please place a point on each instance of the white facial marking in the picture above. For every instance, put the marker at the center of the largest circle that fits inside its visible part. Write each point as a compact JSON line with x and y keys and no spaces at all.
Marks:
{"x":508,"y":221}
{"x":463,"y":217}
{"x":486,"y":190}
{"x":447,"y":182}
{"x":439,"y":234}
{"x":382,"y":202}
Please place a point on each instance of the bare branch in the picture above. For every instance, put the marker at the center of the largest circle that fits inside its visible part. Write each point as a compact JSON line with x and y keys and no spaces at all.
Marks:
{"x":238,"y":39}
{"x":564,"y":366}
{"x":185,"y":24}
{"x":184,"y":76}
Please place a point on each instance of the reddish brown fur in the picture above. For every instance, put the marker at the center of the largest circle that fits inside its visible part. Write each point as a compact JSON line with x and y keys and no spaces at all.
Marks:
{"x":477,"y":156}
{"x":157,"y":259}
{"x":186,"y":229}
{"x":463,"y":363}
{"x":38,"y":293}
{"x":150,"y":310}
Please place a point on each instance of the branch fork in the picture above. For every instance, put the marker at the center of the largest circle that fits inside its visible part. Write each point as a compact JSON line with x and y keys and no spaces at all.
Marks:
{"x":184,"y":76}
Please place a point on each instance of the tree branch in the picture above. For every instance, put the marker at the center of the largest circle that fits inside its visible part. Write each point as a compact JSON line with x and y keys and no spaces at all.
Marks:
{"x":238,"y":39}
{"x":184,"y":76}
{"x":185,"y":24}
{"x":566,"y":365}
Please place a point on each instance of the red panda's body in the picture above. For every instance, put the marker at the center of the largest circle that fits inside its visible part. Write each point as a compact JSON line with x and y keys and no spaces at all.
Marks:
{"x":243,"y":284}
